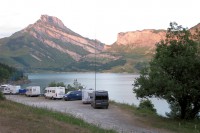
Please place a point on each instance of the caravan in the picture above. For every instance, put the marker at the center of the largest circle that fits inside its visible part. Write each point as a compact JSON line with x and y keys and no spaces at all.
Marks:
{"x":54,"y":92}
{"x":86,"y":95}
{"x":10,"y":89}
{"x":5,"y":89}
{"x":33,"y":91}
{"x":15,"y":89}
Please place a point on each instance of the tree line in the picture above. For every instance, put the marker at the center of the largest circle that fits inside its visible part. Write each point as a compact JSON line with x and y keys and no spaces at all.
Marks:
{"x":8,"y":73}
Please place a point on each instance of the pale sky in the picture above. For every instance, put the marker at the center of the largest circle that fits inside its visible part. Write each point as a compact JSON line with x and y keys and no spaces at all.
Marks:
{"x":100,"y":19}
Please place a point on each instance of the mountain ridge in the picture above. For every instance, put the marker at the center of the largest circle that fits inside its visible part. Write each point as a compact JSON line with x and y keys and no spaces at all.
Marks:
{"x":49,"y":44}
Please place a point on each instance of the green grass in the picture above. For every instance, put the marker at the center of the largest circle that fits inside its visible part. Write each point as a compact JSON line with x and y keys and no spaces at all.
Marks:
{"x":154,"y":120}
{"x":16,"y":117}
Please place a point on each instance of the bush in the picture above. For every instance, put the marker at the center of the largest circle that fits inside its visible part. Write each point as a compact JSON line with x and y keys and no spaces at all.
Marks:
{"x":54,"y":84}
{"x":1,"y":96}
{"x":147,"y":105}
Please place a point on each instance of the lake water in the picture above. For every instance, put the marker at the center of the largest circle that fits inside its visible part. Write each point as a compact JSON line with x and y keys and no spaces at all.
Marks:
{"x":119,"y":86}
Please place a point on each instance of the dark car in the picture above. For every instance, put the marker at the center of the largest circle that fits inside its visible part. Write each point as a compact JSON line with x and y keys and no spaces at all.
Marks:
{"x":73,"y":95}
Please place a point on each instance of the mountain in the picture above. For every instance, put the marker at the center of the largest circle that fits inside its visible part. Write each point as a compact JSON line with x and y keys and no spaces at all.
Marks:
{"x":144,"y":38}
{"x":138,"y":47}
{"x":49,"y":45}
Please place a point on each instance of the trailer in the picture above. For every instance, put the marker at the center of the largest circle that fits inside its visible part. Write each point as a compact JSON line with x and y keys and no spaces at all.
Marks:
{"x":87,"y":95}
{"x":14,"y":89}
{"x":5,"y":89}
{"x":54,"y":92}
{"x":33,"y":91}
{"x":10,"y":89}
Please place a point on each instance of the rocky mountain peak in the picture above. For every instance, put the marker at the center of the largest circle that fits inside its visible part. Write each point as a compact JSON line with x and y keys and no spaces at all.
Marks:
{"x":51,"y":20}
{"x":144,"y":38}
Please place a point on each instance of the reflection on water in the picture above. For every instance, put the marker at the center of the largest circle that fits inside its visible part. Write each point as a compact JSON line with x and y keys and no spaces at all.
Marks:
{"x":119,"y":86}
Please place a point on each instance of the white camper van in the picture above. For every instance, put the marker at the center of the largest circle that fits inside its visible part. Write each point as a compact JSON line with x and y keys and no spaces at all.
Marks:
{"x":86,"y":95}
{"x":54,"y":92}
{"x":33,"y":91}
{"x":14,"y":89}
{"x":5,"y":89}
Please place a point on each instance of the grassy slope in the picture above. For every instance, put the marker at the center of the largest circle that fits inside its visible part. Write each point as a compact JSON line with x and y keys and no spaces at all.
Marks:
{"x":18,"y":118}
{"x":136,"y":57}
{"x":153,"y":120}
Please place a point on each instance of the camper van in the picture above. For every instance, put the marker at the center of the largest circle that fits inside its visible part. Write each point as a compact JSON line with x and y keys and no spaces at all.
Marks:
{"x":100,"y":99}
{"x":10,"y":89}
{"x":86,"y":95}
{"x":5,"y":89}
{"x":33,"y":91}
{"x":14,"y":89}
{"x":54,"y":92}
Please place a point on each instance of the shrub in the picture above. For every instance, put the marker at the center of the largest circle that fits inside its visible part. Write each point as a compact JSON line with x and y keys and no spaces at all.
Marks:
{"x":2,"y":97}
{"x":146,"y":105}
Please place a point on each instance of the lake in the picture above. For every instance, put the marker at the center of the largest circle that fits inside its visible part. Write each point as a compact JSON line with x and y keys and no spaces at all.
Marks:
{"x":119,"y":85}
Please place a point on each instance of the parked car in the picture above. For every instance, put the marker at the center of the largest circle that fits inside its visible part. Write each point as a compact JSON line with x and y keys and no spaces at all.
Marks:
{"x":73,"y":95}
{"x":22,"y":91}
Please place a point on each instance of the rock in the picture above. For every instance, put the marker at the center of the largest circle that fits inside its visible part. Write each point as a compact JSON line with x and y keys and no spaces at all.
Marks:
{"x":144,"y":38}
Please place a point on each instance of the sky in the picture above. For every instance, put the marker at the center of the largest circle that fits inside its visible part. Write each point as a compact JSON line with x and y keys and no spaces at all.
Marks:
{"x":99,"y":19}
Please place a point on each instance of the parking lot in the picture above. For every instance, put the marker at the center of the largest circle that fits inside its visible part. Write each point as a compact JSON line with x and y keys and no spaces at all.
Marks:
{"x":111,"y":118}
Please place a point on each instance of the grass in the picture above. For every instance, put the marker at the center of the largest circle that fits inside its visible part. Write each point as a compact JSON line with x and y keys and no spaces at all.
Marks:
{"x":19,"y":118}
{"x":154,"y":120}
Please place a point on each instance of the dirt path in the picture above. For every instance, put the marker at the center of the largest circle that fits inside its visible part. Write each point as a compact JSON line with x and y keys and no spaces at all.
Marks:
{"x":111,"y":118}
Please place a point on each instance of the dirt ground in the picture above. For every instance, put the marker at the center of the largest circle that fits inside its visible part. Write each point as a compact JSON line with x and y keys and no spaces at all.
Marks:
{"x":111,"y":118}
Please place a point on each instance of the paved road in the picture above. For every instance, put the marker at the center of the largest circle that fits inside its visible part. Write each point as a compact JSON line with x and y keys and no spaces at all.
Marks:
{"x":111,"y":118}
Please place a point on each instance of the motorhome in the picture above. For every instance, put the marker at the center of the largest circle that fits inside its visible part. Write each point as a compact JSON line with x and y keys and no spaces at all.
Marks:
{"x":5,"y":89}
{"x":33,"y":91}
{"x":54,"y":92}
{"x":10,"y":89}
{"x":14,"y":89}
{"x":86,"y":95}
{"x":99,"y":99}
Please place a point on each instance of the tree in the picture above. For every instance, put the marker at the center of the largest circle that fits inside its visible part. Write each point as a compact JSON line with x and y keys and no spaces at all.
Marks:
{"x":174,"y":73}
{"x":58,"y":84}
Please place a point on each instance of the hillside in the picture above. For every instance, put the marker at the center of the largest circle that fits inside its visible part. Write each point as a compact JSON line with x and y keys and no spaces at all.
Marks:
{"x":138,"y":47}
{"x":49,"y":45}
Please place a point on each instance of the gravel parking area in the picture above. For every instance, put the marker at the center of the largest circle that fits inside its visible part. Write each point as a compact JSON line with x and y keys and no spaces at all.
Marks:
{"x":111,"y":118}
